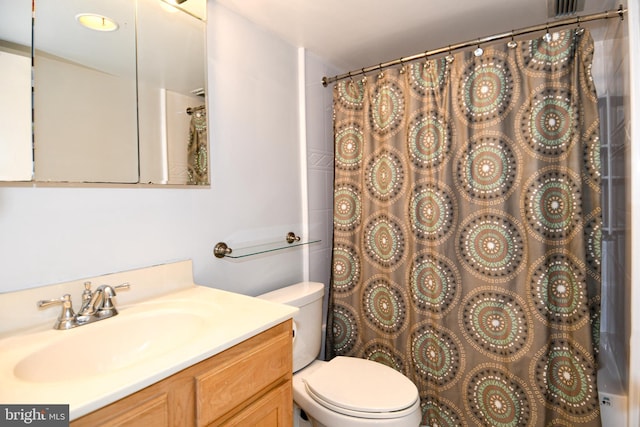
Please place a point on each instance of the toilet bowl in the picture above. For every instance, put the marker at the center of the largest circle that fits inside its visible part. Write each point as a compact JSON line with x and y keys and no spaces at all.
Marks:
{"x":345,"y":391}
{"x":356,"y":393}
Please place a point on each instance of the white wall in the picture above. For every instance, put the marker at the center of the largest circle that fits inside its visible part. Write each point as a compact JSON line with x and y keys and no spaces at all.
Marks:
{"x":50,"y":235}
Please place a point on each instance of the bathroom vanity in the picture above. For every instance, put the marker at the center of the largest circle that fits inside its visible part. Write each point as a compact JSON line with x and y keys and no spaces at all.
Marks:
{"x":246,"y":385}
{"x":176,"y":354}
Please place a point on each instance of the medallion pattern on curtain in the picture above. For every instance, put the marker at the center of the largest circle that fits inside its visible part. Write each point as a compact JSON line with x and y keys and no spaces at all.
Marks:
{"x":467,"y":231}
{"x":197,"y":155}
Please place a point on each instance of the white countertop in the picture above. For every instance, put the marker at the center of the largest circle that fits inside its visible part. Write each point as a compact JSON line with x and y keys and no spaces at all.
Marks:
{"x":226,"y":319}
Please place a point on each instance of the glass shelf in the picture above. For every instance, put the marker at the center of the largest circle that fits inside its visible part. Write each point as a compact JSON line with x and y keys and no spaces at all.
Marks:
{"x":221,"y":250}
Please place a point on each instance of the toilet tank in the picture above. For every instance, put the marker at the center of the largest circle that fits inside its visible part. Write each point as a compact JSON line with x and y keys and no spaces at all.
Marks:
{"x":307,"y":323}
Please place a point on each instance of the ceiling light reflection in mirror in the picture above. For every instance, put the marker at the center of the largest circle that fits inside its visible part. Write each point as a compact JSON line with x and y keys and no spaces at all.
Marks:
{"x":96,"y":22}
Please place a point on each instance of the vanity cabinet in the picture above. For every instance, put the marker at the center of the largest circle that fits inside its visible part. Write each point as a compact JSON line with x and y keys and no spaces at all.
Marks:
{"x":248,"y":384}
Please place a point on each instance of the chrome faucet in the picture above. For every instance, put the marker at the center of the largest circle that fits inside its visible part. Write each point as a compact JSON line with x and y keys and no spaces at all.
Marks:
{"x":96,"y":305}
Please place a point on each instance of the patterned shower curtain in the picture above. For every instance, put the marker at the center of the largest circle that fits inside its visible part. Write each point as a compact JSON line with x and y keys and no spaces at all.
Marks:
{"x":467,"y":231}
{"x":197,"y":157}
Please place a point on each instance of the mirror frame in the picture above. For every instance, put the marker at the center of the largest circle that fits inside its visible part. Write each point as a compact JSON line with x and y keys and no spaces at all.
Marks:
{"x":198,"y":104}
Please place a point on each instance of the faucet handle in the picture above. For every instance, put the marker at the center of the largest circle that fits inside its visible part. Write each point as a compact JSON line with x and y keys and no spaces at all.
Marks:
{"x":107,"y":304}
{"x":67,"y":317}
{"x":124,"y":286}
{"x":65,"y":300}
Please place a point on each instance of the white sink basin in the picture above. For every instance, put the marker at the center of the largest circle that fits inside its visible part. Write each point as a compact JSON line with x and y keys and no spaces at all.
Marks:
{"x":109,"y":345}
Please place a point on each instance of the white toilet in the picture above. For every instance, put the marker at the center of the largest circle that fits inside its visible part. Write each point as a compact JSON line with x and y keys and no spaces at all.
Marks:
{"x":346,"y":391}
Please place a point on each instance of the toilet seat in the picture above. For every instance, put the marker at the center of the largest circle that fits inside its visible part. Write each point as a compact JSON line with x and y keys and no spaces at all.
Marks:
{"x":362,"y":388}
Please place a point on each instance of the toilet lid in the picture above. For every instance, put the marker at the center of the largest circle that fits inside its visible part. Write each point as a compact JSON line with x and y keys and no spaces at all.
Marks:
{"x":361,"y":387}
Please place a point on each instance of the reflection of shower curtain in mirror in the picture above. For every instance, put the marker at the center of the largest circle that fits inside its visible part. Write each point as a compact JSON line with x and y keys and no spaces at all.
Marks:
{"x":467,"y":231}
{"x":198,"y":159}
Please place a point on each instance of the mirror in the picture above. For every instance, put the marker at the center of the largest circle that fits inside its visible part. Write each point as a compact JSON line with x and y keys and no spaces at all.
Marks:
{"x":84,"y":98}
{"x":112,"y":105}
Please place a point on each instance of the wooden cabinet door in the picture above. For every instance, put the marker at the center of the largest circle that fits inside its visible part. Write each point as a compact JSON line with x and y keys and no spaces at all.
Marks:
{"x":169,"y":403}
{"x":275,"y":409}
{"x":242,"y":374}
{"x":154,"y":412}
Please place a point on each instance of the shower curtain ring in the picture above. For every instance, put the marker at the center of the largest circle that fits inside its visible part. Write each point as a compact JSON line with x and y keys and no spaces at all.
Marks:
{"x":450,"y":58}
{"x":364,"y":76}
{"x":401,"y":66}
{"x":547,"y":36}
{"x":479,"y":51}
{"x":381,"y":75}
{"x":579,"y":30}
{"x":427,"y":64}
{"x":512,"y":43}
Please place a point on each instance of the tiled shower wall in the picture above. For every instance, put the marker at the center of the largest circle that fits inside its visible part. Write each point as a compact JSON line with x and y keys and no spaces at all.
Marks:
{"x":319,"y":126}
{"x":319,"y":135}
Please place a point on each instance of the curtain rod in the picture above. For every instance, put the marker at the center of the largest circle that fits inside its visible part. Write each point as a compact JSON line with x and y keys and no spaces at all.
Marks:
{"x":448,"y":49}
{"x":192,"y":110}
